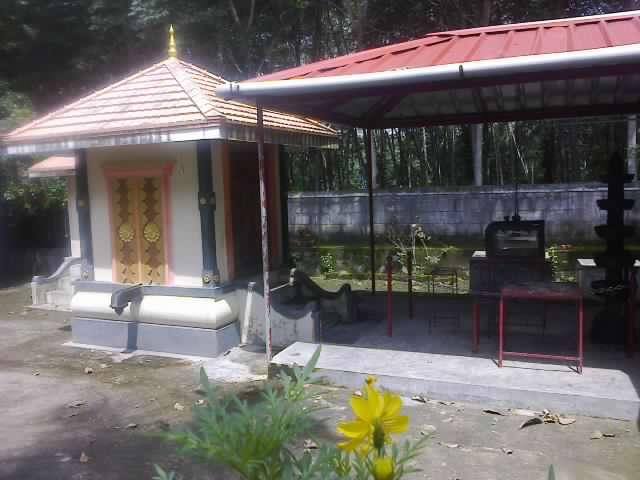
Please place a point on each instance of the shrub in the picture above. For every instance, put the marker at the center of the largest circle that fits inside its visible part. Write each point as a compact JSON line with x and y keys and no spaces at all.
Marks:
{"x":256,"y":440}
{"x":328,"y":263}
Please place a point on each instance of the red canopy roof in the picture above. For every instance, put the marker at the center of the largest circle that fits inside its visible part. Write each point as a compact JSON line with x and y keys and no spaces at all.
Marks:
{"x":558,"y":68}
{"x":486,"y":43}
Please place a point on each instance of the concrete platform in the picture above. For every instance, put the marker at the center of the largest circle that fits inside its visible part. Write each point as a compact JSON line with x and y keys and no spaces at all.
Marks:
{"x":611,"y":392}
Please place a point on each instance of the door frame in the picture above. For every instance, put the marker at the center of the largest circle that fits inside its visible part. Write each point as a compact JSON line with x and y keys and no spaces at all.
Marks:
{"x":164,"y":172}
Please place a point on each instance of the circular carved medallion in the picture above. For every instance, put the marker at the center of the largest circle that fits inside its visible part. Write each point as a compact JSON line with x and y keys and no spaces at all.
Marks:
{"x":151,"y":232}
{"x":126,"y":232}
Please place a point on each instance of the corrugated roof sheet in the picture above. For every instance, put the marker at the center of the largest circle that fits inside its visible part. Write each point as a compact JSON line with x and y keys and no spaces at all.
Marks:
{"x":168,"y":95}
{"x":494,"y":42}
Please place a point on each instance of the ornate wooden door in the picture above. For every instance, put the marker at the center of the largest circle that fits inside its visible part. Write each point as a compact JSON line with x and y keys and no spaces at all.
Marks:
{"x":138,"y":237}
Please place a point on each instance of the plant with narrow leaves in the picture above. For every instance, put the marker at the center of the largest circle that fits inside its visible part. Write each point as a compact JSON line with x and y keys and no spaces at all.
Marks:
{"x":163,"y":475}
{"x":257,"y":440}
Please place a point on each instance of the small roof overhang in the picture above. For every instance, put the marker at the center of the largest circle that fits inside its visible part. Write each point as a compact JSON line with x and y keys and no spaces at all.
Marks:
{"x":574,"y":67}
{"x":55,"y":166}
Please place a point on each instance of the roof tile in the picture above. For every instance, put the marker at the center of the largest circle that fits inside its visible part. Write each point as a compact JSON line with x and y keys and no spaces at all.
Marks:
{"x":166,"y":95}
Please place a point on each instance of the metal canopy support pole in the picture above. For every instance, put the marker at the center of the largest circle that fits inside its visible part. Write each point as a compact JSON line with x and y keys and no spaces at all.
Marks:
{"x":476,"y":147}
{"x":632,"y":132}
{"x":264,"y":222}
{"x":207,"y":205}
{"x":372,"y":240}
{"x":283,"y":168}
{"x":84,"y":215}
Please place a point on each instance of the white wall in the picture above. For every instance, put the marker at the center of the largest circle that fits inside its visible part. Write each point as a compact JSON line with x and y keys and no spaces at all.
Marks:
{"x":72,"y":210}
{"x":186,"y":258}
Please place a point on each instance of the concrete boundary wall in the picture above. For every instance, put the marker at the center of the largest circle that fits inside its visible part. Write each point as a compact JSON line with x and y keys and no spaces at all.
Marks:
{"x":570,"y":210}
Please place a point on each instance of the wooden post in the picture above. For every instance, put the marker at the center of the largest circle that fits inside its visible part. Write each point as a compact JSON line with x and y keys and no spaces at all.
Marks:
{"x":264,"y":222}
{"x":84,"y":215}
{"x":372,"y":240}
{"x":207,"y":206}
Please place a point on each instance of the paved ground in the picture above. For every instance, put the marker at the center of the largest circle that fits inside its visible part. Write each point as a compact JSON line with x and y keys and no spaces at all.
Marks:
{"x":42,"y":437}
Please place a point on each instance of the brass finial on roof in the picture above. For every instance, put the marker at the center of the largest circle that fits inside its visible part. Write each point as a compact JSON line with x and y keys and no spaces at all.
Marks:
{"x":173,"y":53}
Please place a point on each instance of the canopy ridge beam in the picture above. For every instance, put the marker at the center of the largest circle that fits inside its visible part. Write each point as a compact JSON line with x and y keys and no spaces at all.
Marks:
{"x":508,"y":116}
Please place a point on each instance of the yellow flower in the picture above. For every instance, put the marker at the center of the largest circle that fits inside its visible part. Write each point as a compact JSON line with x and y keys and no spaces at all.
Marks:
{"x":377,"y":418}
{"x":383,"y":468}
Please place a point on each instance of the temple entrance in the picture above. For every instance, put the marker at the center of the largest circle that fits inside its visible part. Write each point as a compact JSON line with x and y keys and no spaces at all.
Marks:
{"x":137,"y":230}
{"x":245,"y":209}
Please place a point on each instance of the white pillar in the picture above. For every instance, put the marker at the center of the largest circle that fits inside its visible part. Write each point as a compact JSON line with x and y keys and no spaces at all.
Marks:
{"x":476,"y":148}
{"x":632,"y":130}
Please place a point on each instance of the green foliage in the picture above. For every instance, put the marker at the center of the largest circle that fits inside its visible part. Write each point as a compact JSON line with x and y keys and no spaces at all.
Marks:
{"x":31,"y":195}
{"x":328,"y":263}
{"x":15,"y":108}
{"x":403,"y":456}
{"x":255,"y":439}
{"x":20,"y":192}
{"x":562,"y":262}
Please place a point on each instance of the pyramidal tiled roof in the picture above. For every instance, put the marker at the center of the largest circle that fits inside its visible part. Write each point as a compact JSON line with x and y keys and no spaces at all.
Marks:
{"x":169,"y":95}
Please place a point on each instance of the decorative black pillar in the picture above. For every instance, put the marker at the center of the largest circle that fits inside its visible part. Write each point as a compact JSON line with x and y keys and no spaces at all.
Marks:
{"x":84,"y":215}
{"x":283,"y":159}
{"x":608,"y":326}
{"x":207,"y":204}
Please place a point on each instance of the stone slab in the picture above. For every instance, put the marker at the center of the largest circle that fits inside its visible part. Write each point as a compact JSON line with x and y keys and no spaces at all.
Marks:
{"x":598,"y":392}
{"x":162,"y":338}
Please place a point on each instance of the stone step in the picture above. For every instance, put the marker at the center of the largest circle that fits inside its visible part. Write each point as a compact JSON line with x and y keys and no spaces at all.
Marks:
{"x":60,"y":298}
{"x":50,"y":306}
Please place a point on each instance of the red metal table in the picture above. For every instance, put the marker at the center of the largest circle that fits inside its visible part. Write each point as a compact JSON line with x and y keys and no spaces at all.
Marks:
{"x":547,"y":292}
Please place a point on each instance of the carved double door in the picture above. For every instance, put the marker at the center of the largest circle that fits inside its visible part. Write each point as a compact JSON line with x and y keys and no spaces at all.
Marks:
{"x":138,"y":230}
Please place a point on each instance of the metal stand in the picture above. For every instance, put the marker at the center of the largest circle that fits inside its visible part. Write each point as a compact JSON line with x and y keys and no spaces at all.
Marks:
{"x":546,"y":293}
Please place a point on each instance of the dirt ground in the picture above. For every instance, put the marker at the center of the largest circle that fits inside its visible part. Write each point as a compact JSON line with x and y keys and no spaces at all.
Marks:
{"x":58,"y":422}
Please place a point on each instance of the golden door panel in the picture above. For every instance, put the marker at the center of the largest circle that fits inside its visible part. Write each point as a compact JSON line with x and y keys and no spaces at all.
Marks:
{"x":139,"y":243}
